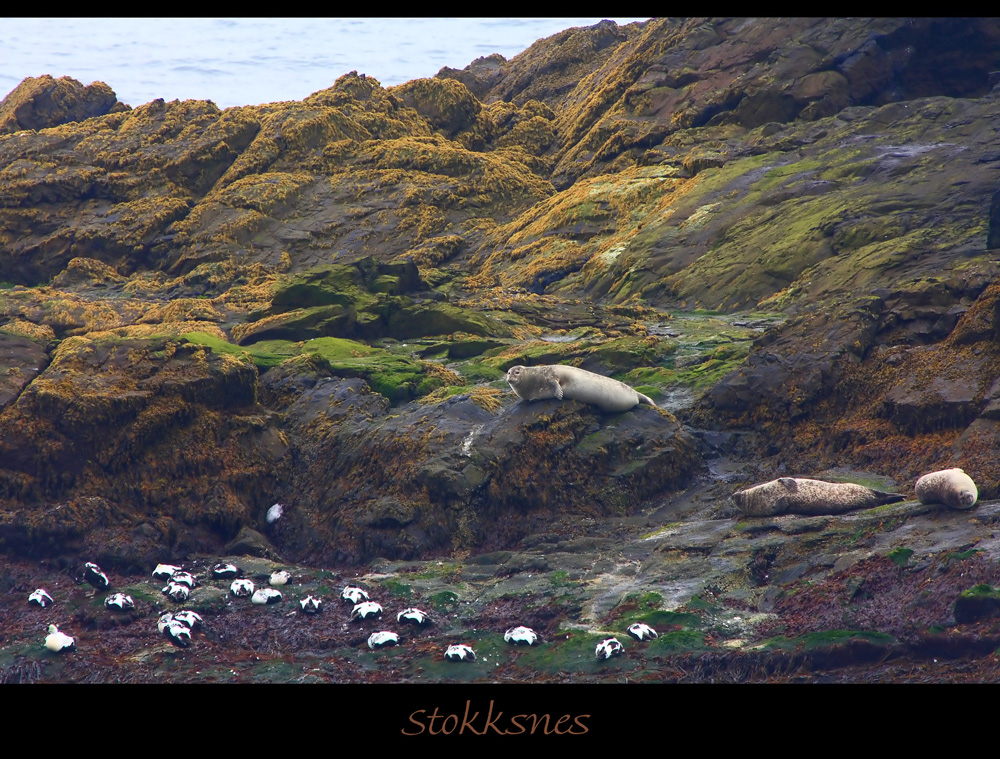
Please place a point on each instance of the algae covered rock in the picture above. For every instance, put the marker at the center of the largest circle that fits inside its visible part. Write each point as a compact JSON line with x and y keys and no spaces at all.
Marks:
{"x":41,"y":102}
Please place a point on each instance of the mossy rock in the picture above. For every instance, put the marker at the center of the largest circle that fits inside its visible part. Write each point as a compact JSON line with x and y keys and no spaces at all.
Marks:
{"x":978,"y":602}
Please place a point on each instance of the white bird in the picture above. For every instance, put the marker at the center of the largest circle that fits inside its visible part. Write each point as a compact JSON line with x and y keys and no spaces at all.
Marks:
{"x":274,"y":513}
{"x":365,"y":610}
{"x":165,"y":571}
{"x":93,"y":574}
{"x":521,"y":634}
{"x":414,"y":615}
{"x":40,"y":597}
{"x":354,"y":595}
{"x":460,"y":652}
{"x":280,"y":578}
{"x":311,"y":605}
{"x":57,"y":641}
{"x":225,"y":571}
{"x":176,"y":592}
{"x":178,"y":633}
{"x":119,"y":601}
{"x":382,"y":638}
{"x":242,"y":588}
{"x":190,"y":618}
{"x":642,"y":631}
{"x":608,"y":648}
{"x":266,"y":596}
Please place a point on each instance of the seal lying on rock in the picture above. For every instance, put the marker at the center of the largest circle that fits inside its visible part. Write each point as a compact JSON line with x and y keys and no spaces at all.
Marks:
{"x":801,"y":496}
{"x":952,"y":487}
{"x":536,"y":383}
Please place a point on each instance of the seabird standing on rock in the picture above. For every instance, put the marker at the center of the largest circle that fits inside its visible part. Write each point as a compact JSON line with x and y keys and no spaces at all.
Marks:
{"x":40,"y":597}
{"x":176,"y":591}
{"x":414,"y":615}
{"x":93,"y":574}
{"x":382,"y":638}
{"x":266,"y":596}
{"x":225,"y":571}
{"x":119,"y":601}
{"x":608,"y":648}
{"x":178,"y":633}
{"x":642,"y":631}
{"x":280,"y":578}
{"x":460,"y":652}
{"x":190,"y":618}
{"x":354,"y":595}
{"x":242,"y":588}
{"x":165,"y":571}
{"x":57,"y":641}
{"x":365,"y":610}
{"x":521,"y":634}
{"x":311,"y":605}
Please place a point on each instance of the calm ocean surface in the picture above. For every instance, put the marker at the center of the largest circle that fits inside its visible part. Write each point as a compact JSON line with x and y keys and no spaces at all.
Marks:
{"x":247,"y":61}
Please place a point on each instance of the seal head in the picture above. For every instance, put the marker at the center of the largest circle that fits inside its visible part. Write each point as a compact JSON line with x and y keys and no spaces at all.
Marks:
{"x":952,"y":487}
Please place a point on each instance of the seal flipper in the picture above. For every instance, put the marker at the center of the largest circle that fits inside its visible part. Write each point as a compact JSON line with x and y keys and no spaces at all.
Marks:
{"x":885,"y":497}
{"x":557,"y":391}
{"x":645,"y":399}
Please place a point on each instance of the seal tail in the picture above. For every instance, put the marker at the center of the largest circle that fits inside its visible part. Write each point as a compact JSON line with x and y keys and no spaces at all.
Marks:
{"x":646,"y":399}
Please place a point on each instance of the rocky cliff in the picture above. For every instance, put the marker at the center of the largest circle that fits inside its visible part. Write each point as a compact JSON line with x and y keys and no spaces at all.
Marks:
{"x":784,"y":231}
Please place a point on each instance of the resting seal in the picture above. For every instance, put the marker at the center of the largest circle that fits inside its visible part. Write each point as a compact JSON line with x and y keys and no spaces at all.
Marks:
{"x":800,"y":496}
{"x":536,"y":383}
{"x":952,"y":487}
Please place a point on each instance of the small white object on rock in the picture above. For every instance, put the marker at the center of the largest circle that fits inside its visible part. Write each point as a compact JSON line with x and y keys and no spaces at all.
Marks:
{"x":274,"y":513}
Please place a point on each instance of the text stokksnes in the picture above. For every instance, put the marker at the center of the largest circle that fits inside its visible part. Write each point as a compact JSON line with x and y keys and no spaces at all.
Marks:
{"x":493,"y":722}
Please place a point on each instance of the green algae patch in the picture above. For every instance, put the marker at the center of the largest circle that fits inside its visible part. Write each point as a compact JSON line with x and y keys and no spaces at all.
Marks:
{"x":976,"y":603}
{"x":900,"y":556}
{"x":827,"y":638}
{"x":396,"y":377}
{"x":264,"y":355}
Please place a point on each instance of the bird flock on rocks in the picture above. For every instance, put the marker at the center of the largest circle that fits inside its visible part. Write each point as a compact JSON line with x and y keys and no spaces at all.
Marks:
{"x":178,"y":626}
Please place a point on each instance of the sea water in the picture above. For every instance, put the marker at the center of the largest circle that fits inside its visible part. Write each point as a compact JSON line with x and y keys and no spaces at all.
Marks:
{"x":248,"y":61}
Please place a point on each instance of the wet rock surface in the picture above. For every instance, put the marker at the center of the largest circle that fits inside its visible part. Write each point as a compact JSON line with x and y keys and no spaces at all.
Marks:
{"x":782,"y":231}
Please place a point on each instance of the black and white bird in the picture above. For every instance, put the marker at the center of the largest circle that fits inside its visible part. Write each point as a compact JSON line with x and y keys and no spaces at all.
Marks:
{"x":382,"y":638}
{"x":354,"y":595}
{"x":642,"y":631}
{"x":311,"y":605}
{"x":178,"y":633}
{"x":175,"y":591}
{"x":190,"y":618}
{"x":165,"y":571}
{"x":40,"y":597}
{"x":57,"y":641}
{"x":222,"y":571}
{"x":93,"y":574}
{"x":185,"y":578}
{"x":366,"y":610}
{"x":608,"y":648}
{"x":280,"y":578}
{"x":163,"y":621}
{"x":521,"y":635}
{"x":242,"y":588}
{"x":266,"y":596}
{"x":119,"y":601}
{"x":460,"y":652}
{"x":414,"y":616}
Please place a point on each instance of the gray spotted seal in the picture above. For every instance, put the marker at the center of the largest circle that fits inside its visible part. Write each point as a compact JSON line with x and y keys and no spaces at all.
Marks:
{"x":952,"y":487}
{"x":796,"y":495}
{"x":536,"y":383}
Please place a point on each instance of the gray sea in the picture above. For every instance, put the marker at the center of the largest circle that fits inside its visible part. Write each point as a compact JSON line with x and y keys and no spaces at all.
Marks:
{"x":248,"y":61}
